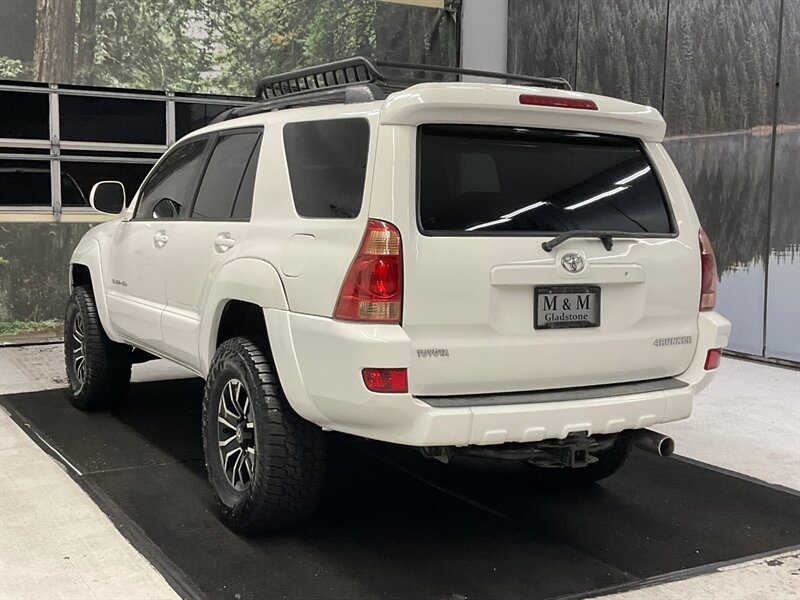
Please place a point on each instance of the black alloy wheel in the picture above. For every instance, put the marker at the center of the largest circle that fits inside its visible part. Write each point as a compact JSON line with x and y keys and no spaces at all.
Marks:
{"x":98,"y":370}
{"x":264,"y":461}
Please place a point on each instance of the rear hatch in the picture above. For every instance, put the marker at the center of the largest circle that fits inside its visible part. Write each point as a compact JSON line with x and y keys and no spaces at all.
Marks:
{"x":489,"y":310}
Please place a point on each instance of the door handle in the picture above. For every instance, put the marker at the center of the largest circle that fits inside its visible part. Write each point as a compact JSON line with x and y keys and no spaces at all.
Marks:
{"x":224,"y":242}
{"x":160,"y":239}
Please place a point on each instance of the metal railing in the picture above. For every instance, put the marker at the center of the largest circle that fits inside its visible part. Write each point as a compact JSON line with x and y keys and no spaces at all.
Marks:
{"x":26,"y":149}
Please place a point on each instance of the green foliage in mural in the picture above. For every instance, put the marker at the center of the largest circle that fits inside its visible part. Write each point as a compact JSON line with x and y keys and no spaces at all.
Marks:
{"x":621,"y":49}
{"x":156,"y":44}
{"x":256,"y":37}
{"x":52,"y":327}
{"x":34,"y":270}
{"x":14,"y":69}
{"x":721,"y":64}
{"x":218,"y":46}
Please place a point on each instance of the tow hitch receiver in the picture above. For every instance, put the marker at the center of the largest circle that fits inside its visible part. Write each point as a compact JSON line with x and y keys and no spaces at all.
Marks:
{"x":565,"y":453}
{"x":576,"y":450}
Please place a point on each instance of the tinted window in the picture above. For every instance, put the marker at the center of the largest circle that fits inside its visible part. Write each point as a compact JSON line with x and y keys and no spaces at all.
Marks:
{"x":501,"y":179}
{"x":170,"y":184}
{"x":223,"y":176}
{"x":25,"y":115}
{"x":244,"y":199}
{"x":327,"y":165}
{"x":191,"y":115}
{"x":24,"y":183}
{"x":83,"y":175}
{"x":86,"y":119}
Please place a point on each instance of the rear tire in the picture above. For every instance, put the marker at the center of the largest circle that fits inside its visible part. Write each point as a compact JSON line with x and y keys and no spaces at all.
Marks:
{"x":608,"y":463}
{"x":98,"y":370}
{"x":265,"y":462}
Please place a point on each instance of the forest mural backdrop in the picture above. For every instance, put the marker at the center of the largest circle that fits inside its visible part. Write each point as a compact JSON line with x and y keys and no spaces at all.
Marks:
{"x":726,"y":76}
{"x":209,"y":46}
{"x":193,"y":46}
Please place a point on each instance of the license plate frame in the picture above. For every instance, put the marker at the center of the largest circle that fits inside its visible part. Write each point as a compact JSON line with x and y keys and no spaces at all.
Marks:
{"x":562,"y":290}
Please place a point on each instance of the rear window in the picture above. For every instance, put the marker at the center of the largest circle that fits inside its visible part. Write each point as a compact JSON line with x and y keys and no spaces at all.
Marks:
{"x":516,"y":181}
{"x":327,"y":166}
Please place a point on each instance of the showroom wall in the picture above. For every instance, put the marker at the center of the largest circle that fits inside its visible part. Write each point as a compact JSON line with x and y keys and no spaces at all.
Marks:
{"x":712,"y":67}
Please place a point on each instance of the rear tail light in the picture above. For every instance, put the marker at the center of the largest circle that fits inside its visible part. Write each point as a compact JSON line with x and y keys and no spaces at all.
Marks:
{"x":534,"y":100}
{"x":391,"y":381}
{"x":708,"y":278}
{"x":373,"y":287}
{"x":713,"y":359}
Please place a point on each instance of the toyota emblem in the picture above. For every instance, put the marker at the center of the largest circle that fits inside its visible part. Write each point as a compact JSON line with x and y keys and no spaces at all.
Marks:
{"x":572,"y":262}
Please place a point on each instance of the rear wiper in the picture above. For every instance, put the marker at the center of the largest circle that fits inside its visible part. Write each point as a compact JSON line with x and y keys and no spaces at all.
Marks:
{"x":607,"y":237}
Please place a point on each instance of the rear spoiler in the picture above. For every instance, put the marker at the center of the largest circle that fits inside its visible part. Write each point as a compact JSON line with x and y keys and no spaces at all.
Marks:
{"x":503,"y":105}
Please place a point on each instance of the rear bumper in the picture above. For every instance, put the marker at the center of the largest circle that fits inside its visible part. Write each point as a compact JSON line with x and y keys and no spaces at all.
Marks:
{"x":319,"y":361}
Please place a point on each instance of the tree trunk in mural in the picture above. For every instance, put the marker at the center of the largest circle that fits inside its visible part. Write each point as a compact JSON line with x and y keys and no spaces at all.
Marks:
{"x":86,"y":42}
{"x":54,"y":54}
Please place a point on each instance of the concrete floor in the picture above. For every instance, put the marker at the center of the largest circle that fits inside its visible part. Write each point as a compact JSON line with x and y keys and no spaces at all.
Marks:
{"x":747,"y":421}
{"x":55,"y":543}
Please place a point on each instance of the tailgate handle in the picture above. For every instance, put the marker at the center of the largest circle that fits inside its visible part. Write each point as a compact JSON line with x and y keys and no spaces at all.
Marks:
{"x":547,"y":275}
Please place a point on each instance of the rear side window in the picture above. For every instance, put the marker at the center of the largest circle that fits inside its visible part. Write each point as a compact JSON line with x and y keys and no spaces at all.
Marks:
{"x":223,"y":183}
{"x":327,"y":166}
{"x":515,"y":181}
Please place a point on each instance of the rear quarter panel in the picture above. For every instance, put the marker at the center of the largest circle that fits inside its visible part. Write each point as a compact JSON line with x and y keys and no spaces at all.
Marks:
{"x":311,"y":256}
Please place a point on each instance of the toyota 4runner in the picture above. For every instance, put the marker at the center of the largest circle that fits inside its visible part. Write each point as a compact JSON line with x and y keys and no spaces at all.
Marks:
{"x":492,"y":270}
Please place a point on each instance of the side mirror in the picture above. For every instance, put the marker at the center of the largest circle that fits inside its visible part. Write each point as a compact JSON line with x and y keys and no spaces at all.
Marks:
{"x":108,"y":197}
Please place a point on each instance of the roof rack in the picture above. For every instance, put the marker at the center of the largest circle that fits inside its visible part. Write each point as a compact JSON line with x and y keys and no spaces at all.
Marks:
{"x":353,"y":80}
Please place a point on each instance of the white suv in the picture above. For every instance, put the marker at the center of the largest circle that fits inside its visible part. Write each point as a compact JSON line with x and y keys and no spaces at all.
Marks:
{"x":502,"y":271}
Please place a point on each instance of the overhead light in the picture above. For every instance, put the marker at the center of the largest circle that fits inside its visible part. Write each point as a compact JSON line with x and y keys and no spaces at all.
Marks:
{"x":616,"y":190}
{"x":511,"y":215}
{"x":489,"y":224}
{"x":633,"y":176}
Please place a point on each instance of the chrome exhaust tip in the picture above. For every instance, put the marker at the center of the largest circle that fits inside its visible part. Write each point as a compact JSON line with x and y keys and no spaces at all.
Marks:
{"x":653,"y":442}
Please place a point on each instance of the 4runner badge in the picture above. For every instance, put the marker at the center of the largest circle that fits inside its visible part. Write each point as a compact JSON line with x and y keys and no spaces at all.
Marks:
{"x":572,"y":262}
{"x":673,"y":341}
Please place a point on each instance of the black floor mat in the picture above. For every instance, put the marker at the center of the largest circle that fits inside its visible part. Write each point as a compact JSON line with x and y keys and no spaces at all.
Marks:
{"x":394,"y":525}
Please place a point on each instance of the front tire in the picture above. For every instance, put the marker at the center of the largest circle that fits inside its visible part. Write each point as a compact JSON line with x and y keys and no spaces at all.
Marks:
{"x":98,"y":370}
{"x":264,"y":461}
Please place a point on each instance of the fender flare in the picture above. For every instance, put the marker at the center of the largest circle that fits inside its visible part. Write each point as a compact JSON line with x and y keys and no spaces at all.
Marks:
{"x":250,"y":280}
{"x":87,"y":254}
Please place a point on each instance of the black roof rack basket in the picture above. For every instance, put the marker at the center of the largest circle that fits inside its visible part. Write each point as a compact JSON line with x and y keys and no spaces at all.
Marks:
{"x":333,"y":75}
{"x":356,"y":79}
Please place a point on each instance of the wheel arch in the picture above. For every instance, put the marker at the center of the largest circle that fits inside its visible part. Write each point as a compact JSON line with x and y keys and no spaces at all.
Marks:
{"x":235,"y":304}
